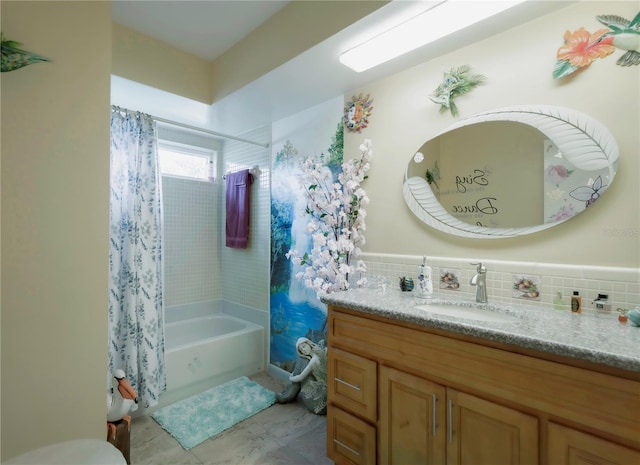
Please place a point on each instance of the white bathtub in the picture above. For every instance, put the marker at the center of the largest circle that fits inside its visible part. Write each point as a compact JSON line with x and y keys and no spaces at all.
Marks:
{"x":203,"y":351}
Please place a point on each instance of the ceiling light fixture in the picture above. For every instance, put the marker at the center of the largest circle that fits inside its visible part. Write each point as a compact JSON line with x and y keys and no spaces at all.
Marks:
{"x":428,"y":26}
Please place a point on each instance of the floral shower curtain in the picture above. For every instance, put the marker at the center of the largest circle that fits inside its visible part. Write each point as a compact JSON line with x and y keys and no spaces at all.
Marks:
{"x":136,"y":314}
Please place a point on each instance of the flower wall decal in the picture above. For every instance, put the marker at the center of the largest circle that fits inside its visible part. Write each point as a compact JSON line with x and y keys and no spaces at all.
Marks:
{"x":580,"y":49}
{"x":555,"y":174}
{"x":564,"y":212}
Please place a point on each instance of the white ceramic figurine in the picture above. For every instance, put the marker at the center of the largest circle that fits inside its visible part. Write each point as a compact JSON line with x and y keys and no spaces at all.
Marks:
{"x":123,"y":398}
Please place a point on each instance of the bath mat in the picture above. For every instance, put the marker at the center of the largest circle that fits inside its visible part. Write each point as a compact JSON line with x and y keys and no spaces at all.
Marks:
{"x":193,"y":420}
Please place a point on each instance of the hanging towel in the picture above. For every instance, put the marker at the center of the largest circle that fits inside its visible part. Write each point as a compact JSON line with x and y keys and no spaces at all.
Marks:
{"x":238,"y":207}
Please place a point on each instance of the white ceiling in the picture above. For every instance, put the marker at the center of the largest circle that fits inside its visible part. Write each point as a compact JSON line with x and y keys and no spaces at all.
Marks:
{"x":313,"y":77}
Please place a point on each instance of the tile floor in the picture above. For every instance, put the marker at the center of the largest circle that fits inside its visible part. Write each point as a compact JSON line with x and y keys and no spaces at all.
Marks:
{"x":283,"y":434}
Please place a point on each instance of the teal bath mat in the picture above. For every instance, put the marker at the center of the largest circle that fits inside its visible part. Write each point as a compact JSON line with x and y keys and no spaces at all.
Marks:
{"x":193,"y":420}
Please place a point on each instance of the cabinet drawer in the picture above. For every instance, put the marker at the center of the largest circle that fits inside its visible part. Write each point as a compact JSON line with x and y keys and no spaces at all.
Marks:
{"x":352,"y":383}
{"x":349,"y":439}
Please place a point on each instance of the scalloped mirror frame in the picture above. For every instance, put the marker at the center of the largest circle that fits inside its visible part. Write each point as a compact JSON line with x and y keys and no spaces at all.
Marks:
{"x":585,"y":142}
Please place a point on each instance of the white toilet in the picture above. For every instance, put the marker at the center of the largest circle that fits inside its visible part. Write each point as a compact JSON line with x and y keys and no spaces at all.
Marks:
{"x":76,"y":452}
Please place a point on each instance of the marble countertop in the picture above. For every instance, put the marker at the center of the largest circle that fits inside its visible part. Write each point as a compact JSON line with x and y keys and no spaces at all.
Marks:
{"x":587,"y":337}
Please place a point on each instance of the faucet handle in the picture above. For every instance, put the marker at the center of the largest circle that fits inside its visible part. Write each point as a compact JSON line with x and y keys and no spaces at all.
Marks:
{"x":480,"y":267}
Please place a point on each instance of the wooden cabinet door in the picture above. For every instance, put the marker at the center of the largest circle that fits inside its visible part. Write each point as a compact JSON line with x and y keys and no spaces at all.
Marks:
{"x":568,"y":446}
{"x":412,"y":419}
{"x":484,"y":433}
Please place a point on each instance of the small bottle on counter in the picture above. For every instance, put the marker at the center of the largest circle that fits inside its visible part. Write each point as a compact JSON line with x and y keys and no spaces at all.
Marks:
{"x":558,"y":304}
{"x":622,"y":317}
{"x":602,"y":305}
{"x":576,"y":302}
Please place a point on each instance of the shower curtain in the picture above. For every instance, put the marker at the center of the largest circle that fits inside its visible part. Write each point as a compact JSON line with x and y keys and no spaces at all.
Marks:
{"x":136,"y":314}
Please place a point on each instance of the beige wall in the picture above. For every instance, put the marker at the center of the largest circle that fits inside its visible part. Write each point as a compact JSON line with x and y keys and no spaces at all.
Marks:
{"x":55,"y":223}
{"x":518,"y":64}
{"x":295,"y":28}
{"x":140,"y":58}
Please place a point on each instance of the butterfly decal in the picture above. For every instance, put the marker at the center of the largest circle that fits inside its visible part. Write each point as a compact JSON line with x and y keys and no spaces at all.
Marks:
{"x":589,"y":194}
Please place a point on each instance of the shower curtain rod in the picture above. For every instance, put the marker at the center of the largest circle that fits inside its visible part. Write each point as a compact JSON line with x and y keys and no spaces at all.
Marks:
{"x":208,"y":131}
{"x":203,"y":130}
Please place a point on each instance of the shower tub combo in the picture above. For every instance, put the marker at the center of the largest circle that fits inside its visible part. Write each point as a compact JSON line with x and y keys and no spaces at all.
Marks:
{"x":205,"y":348}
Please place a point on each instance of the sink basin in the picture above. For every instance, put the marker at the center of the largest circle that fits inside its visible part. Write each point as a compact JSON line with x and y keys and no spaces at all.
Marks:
{"x":467,"y":313}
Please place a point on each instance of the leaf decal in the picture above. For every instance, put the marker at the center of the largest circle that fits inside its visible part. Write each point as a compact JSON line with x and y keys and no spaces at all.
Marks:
{"x":563,"y":68}
{"x":14,"y":58}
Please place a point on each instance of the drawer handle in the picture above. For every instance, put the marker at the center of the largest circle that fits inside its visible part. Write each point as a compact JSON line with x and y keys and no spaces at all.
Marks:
{"x":347,"y":447}
{"x":347,"y":384}
{"x":435,"y":416}
{"x":450,"y":421}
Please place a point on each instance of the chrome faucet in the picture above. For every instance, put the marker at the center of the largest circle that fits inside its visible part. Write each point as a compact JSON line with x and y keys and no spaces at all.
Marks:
{"x":480,"y":281}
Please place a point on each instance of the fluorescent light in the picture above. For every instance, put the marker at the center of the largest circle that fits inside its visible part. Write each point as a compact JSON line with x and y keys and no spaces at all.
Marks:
{"x":430,"y":25}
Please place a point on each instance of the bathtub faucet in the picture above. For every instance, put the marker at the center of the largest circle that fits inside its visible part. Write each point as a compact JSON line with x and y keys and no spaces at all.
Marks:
{"x":480,"y":281}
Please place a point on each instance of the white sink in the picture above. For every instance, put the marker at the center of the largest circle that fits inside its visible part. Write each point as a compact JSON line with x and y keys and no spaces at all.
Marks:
{"x":467,"y":313}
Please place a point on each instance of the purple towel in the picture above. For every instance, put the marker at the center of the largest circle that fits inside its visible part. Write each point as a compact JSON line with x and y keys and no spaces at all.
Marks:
{"x":238,"y":208}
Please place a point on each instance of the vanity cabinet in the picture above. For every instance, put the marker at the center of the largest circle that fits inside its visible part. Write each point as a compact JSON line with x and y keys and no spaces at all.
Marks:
{"x":401,"y":394}
{"x":572,"y":447}
{"x":423,"y":422}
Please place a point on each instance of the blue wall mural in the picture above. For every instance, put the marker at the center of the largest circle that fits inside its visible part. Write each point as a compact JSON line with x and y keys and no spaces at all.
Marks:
{"x":295,"y":310}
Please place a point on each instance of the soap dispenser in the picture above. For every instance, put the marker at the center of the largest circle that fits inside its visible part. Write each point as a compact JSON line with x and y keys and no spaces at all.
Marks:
{"x":425,"y":283}
{"x":558,"y":304}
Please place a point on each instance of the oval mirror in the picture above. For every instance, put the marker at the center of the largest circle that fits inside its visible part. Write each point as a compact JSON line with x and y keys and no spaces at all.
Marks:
{"x":510,"y":171}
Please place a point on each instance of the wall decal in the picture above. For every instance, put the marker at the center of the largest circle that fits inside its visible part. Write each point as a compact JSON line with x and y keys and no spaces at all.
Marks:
{"x":589,"y":193}
{"x":457,"y":81}
{"x":581,"y":48}
{"x":625,"y":35}
{"x":14,"y":58}
{"x":526,"y":287}
{"x":449,"y":279}
{"x":356,"y":113}
{"x":295,"y":309}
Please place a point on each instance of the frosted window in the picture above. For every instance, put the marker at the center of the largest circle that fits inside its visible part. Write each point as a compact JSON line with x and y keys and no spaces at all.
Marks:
{"x":186,"y":162}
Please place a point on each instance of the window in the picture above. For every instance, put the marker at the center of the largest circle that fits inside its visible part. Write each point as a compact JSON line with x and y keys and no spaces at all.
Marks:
{"x":186,"y":161}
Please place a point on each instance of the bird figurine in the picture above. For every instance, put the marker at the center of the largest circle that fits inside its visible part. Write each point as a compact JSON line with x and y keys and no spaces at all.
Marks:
{"x":120,"y":402}
{"x":14,"y":58}
{"x":624,"y":35}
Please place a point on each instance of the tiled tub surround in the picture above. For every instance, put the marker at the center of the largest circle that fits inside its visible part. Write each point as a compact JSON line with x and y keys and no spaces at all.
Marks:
{"x":580,"y":336}
{"x":621,"y":284}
